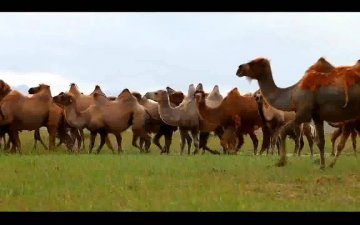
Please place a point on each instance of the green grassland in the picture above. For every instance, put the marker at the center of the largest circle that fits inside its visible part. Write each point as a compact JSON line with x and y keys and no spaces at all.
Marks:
{"x":39,"y":180}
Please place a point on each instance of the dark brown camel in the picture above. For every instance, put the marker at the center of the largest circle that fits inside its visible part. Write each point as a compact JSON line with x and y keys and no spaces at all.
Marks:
{"x":315,"y":96}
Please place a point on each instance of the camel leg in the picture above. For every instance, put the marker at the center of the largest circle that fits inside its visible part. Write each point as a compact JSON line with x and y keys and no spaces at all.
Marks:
{"x":52,"y":136}
{"x":146,"y":138}
{"x":119,"y":142}
{"x":284,"y":132}
{"x":134,"y":139}
{"x":7,"y":142}
{"x":297,"y":135}
{"x":204,"y":136}
{"x":335,"y":136}
{"x":156,"y":141}
{"x":188,"y":141}
{"x":353,"y":138}
{"x":108,"y":143}
{"x":168,"y":137}
{"x":183,"y":134}
{"x":75,"y":134}
{"x":341,"y":145}
{"x":301,"y":144}
{"x":310,"y":140}
{"x":266,"y":140}
{"x":254,"y":140}
{"x":319,"y":126}
{"x":92,"y":141}
{"x":37,"y":137}
{"x":102,"y":141}
{"x":240,"y":143}
{"x":195,"y":137}
{"x":81,"y":131}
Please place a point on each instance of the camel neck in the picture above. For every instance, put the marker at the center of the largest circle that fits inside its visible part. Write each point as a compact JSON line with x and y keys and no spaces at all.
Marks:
{"x":279,"y":98}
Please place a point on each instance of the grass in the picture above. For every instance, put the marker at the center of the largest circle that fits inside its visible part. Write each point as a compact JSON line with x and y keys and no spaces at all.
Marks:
{"x":39,"y":180}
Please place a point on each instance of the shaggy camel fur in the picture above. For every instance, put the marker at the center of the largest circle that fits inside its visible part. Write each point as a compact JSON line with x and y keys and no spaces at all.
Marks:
{"x":154,"y":124}
{"x":236,"y":113}
{"x":184,"y":116}
{"x":315,"y":96}
{"x":29,"y":113}
{"x":106,"y":117}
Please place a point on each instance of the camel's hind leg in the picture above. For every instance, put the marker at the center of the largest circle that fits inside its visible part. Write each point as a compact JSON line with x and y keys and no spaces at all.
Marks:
{"x":353,"y":138}
{"x":119,"y":142}
{"x":254,"y":140}
{"x":156,"y":141}
{"x":341,"y":145}
{"x":75,"y":134}
{"x":168,"y":139}
{"x":335,"y":136}
{"x":92,"y":141}
{"x":185,"y":137}
{"x":108,"y":143}
{"x":310,"y":140}
{"x":195,"y":137}
{"x":102,"y":141}
{"x":81,"y":131}
{"x":37,"y":137}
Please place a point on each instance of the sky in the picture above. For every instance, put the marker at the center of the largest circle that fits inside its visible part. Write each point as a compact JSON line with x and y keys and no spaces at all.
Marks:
{"x":149,"y":51}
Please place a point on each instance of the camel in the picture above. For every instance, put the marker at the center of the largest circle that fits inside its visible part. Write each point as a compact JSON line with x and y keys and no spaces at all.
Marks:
{"x":83,"y":102}
{"x":315,"y":96}
{"x":345,"y":129}
{"x":184,"y":116}
{"x":236,"y":113}
{"x":274,"y":119}
{"x":212,"y":99}
{"x":29,"y":113}
{"x":154,"y":124}
{"x":106,"y":117}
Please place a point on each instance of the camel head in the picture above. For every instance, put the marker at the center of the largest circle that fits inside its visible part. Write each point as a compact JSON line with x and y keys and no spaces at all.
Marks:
{"x":199,"y":87}
{"x":4,"y":88}
{"x":254,"y":69}
{"x":200,"y":96}
{"x":321,"y":65}
{"x":41,"y":87}
{"x":157,"y":96}
{"x":64,"y":98}
{"x":258,"y":96}
{"x":137,"y":95}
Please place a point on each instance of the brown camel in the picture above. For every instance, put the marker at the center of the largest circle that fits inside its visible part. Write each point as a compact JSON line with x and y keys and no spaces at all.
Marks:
{"x":109,"y":117}
{"x":315,"y":96}
{"x":184,"y":116}
{"x":236,"y":113}
{"x":154,"y":124}
{"x":29,"y":113}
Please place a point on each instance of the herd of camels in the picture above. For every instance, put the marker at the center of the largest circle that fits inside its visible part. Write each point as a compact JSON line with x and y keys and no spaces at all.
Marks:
{"x":324,"y":93}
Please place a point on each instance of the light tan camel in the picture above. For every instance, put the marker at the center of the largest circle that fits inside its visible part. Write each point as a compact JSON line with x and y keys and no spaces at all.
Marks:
{"x":110,"y":117}
{"x":184,"y":116}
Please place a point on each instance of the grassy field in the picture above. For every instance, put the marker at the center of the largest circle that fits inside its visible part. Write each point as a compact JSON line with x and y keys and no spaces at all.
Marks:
{"x":40,"y":180}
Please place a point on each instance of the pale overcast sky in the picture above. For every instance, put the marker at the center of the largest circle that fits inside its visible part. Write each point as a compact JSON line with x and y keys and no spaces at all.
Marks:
{"x":149,"y":51}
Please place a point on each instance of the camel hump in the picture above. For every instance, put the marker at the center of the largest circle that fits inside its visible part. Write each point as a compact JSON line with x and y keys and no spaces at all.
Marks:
{"x":169,"y":90}
{"x":191,"y":90}
{"x":199,"y":87}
